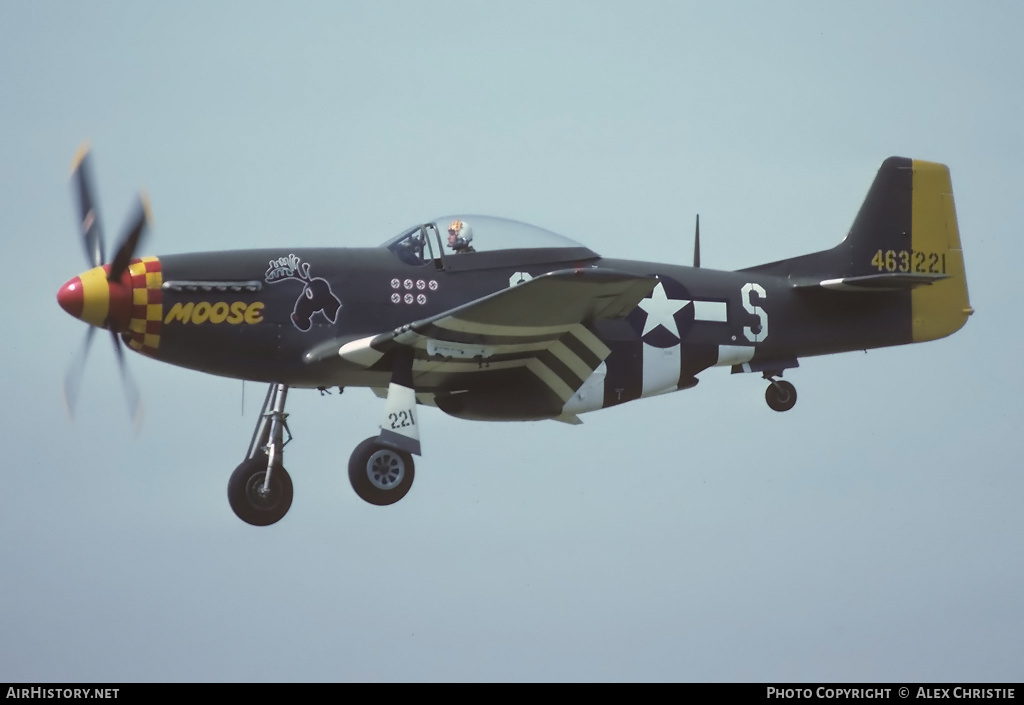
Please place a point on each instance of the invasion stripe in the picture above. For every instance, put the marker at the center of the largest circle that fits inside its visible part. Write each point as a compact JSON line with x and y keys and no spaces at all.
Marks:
{"x":587,"y":337}
{"x":549,"y":378}
{"x":571,"y":359}
{"x":572,"y":368}
{"x":563,"y":371}
{"x":590,"y":357}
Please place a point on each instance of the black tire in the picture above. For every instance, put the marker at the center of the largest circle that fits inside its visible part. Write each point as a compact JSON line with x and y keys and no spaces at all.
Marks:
{"x":379,"y":474}
{"x":780,"y":395}
{"x":245,"y":492}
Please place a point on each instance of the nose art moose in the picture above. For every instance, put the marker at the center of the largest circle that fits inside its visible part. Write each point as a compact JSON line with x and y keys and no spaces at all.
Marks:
{"x":316,"y":296}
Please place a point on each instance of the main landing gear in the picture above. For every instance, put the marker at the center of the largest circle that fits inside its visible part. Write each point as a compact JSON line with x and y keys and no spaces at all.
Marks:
{"x":260,"y":489}
{"x":780,"y":395}
{"x":381,"y":468}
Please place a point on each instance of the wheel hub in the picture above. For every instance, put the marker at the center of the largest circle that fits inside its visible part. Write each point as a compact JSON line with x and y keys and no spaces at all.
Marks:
{"x":385,"y":469}
{"x":258,"y":496}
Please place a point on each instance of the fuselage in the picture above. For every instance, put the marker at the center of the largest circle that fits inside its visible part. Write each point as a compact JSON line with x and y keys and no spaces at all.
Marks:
{"x":256,"y":314}
{"x":286,"y":315}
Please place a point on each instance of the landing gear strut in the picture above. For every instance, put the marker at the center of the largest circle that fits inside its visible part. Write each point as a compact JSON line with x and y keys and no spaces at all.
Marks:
{"x":260,"y":489}
{"x":381,"y":468}
{"x":780,"y":395}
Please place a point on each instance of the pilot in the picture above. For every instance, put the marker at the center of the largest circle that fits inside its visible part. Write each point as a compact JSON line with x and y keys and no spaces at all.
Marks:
{"x":459,"y":237}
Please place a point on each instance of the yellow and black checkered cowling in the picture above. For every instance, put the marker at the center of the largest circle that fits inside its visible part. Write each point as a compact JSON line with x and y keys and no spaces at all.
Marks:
{"x":147,"y":305}
{"x":131,"y":305}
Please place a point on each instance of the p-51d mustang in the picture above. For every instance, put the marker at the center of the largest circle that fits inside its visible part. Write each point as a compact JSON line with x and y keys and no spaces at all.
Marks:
{"x":516,"y":324}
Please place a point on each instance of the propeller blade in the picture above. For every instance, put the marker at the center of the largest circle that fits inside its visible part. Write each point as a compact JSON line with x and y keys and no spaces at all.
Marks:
{"x":696,"y":244}
{"x":131,"y":391}
{"x":92,"y":240}
{"x":73,"y":377}
{"x":130,"y":240}
{"x":89,"y":219}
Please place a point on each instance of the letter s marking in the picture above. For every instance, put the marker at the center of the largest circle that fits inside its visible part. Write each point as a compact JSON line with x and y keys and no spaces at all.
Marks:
{"x":752,"y":308}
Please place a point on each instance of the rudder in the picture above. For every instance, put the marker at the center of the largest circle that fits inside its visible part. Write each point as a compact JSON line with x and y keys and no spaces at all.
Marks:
{"x":943,"y":307}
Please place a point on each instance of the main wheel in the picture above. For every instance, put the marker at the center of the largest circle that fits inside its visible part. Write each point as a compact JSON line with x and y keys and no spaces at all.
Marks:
{"x":248,"y":499}
{"x":380,"y":474}
{"x":780,"y":395}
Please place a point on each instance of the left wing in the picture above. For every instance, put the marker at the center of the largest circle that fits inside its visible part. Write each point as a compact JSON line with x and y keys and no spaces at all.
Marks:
{"x":541,"y":325}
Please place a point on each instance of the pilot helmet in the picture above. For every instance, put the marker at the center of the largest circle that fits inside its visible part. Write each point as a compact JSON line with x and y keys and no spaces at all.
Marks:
{"x":459,"y":235}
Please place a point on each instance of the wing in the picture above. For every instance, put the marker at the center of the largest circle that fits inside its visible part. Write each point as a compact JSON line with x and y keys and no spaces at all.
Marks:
{"x":540,"y":329}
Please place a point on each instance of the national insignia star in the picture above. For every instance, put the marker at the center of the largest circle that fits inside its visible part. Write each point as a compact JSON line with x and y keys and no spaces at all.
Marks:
{"x":661,"y":311}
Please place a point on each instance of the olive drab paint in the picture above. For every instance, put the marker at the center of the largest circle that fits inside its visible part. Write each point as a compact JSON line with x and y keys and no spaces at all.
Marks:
{"x":500,"y":332}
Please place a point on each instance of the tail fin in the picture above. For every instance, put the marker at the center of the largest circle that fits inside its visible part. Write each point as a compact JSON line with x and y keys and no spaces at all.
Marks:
{"x":905,"y":238}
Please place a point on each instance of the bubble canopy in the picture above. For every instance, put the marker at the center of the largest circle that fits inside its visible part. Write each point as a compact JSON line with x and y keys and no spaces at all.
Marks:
{"x":429,"y":241}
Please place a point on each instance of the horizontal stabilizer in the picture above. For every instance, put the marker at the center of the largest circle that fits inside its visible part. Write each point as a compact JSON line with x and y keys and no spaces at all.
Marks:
{"x":888,"y":281}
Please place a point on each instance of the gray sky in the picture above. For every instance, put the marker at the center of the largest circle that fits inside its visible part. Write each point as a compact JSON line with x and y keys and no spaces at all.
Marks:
{"x":872,"y":533}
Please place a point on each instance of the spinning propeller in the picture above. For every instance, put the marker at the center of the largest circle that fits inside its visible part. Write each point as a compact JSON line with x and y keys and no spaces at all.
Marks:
{"x":102,"y":296}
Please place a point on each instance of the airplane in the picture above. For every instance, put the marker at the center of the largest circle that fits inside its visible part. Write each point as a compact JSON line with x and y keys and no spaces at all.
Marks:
{"x":491,"y":319}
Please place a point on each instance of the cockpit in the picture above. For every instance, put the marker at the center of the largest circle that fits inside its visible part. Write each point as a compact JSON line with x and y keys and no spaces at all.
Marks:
{"x":492,"y":239}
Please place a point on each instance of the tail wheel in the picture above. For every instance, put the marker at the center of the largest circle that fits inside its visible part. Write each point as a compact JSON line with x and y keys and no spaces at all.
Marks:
{"x":250,"y":502}
{"x":780,"y":395}
{"x":380,"y":474}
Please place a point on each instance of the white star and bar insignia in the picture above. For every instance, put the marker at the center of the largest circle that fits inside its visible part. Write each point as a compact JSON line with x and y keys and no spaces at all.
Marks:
{"x":661,"y":311}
